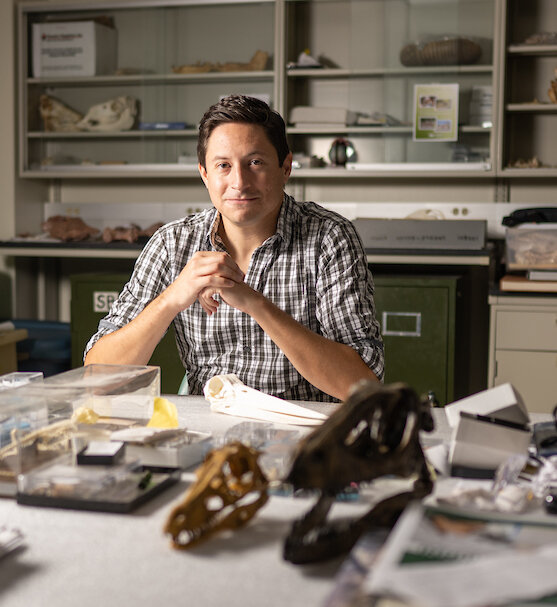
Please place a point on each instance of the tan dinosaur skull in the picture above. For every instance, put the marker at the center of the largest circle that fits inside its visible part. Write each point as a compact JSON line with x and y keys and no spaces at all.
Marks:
{"x":373,"y":434}
{"x":230,"y":488}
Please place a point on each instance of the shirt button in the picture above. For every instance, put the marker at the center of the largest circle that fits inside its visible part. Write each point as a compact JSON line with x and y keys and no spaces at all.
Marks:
{"x":246,"y":349}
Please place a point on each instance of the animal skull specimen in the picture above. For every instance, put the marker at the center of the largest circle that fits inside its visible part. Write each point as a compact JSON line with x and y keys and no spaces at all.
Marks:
{"x":57,"y":116}
{"x":373,"y":434}
{"x":230,"y":488}
{"x":114,"y":115}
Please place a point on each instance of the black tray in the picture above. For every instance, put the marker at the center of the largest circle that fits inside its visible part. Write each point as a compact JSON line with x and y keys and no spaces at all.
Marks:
{"x":160,"y":479}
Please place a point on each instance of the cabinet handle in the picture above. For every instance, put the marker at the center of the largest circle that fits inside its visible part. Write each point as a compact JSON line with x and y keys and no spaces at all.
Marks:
{"x":416,"y":316}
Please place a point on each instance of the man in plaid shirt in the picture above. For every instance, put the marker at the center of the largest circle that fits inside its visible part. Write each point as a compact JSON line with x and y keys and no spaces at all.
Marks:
{"x":271,"y":289}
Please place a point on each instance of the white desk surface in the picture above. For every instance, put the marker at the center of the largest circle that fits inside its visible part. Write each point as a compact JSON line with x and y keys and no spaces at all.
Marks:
{"x":82,"y":559}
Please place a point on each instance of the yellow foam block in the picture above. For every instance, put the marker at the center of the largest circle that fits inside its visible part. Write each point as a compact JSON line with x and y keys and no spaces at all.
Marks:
{"x":164,"y":415}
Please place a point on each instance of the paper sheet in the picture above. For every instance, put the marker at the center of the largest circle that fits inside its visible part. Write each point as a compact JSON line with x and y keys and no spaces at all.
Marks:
{"x":495,"y":574}
{"x":227,"y":394}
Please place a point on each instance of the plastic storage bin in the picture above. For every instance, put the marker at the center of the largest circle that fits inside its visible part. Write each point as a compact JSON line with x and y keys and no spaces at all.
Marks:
{"x":47,"y":347}
{"x":92,"y":296}
{"x":532,"y":246}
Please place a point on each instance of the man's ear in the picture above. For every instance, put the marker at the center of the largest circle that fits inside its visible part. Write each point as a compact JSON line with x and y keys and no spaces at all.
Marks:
{"x":287,"y":166}
{"x":203,"y":172}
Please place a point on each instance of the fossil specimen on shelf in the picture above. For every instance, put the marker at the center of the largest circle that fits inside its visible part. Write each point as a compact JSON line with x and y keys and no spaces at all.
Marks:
{"x":114,"y":115}
{"x":68,"y":229}
{"x":256,"y":63}
{"x":57,"y":116}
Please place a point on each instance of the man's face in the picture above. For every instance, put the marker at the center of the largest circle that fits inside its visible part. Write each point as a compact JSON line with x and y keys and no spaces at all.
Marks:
{"x":243,"y":175}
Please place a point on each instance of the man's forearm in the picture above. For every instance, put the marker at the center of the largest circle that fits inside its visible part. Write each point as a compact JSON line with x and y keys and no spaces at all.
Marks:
{"x":330,"y":366}
{"x":134,"y":343}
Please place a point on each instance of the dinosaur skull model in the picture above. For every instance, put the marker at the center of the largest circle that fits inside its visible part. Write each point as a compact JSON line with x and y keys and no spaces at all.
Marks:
{"x":230,"y":488}
{"x":373,"y":434}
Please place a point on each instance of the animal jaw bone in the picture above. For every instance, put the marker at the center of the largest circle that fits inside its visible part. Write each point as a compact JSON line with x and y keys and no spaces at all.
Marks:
{"x":256,"y":63}
{"x":229,"y":490}
{"x":373,"y":434}
{"x":117,"y":114}
{"x":57,"y":116}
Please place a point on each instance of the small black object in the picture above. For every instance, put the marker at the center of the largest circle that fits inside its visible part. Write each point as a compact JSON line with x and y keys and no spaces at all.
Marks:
{"x":101,"y":453}
{"x":534,"y":215}
{"x":545,"y":436}
{"x":550,"y":501}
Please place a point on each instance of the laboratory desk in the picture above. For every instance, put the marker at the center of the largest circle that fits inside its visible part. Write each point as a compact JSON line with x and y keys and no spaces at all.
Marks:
{"x":90,"y":559}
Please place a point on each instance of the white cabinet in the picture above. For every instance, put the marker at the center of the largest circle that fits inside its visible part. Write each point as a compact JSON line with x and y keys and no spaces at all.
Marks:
{"x":372,"y":54}
{"x":523,"y":347}
{"x":528,"y":114}
{"x":213,"y":42}
{"x":365,"y":67}
{"x":358,"y":42}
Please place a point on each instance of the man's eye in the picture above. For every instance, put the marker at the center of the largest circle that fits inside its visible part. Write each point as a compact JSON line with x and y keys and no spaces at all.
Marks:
{"x":223,"y":165}
{"x":256,"y":161}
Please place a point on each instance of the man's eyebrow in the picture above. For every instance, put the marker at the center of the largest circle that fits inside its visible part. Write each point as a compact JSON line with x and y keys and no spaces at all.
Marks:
{"x":254,"y":153}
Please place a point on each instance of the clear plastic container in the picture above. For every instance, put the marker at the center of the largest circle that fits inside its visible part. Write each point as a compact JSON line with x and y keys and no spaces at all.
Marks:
{"x":532,"y":246}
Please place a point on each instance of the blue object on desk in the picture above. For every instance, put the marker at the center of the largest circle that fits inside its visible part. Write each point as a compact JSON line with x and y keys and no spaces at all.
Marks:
{"x":48,"y":347}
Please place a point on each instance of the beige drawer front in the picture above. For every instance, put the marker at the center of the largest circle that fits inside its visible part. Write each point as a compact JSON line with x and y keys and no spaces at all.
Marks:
{"x":533,"y":374}
{"x":526,"y":330}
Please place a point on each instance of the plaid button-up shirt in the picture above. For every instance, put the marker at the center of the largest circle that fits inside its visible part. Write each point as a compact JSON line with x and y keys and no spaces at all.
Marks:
{"x":313,"y":267}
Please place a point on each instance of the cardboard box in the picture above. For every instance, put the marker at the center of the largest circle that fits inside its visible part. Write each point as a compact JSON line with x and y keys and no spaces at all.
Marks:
{"x":461,"y":234}
{"x":488,"y":427}
{"x":73,"y":48}
{"x":8,"y":353}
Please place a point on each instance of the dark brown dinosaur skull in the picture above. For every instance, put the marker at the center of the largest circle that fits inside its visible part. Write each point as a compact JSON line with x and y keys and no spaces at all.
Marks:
{"x":230,"y":488}
{"x":373,"y":434}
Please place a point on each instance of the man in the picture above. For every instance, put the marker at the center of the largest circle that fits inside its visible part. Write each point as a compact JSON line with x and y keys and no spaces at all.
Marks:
{"x":273,"y":290}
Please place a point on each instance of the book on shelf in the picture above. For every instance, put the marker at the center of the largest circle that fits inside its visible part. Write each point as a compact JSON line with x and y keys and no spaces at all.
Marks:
{"x":512,"y":282}
{"x":542,"y":274}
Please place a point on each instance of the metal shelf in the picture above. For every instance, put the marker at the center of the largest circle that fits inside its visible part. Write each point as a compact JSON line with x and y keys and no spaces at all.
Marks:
{"x":135,"y":134}
{"x":387,"y":72}
{"x":532,"y":49}
{"x":152,"y":79}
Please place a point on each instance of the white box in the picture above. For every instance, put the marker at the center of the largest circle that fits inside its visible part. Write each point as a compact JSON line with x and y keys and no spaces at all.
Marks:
{"x":488,"y":427}
{"x":303,"y":115}
{"x":503,"y":402}
{"x":461,"y":234}
{"x":73,"y":48}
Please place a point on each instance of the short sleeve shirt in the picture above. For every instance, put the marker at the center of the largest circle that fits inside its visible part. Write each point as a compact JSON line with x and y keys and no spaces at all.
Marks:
{"x":313,"y":267}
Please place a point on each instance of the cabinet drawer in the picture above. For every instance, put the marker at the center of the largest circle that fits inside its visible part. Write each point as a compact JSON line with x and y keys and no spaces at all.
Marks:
{"x":533,"y":374}
{"x":521,"y":330}
{"x":417,"y":322}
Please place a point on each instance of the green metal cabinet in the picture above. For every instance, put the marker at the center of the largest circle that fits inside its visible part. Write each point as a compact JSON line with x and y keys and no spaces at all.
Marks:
{"x":418,"y":316}
{"x":91,"y":297}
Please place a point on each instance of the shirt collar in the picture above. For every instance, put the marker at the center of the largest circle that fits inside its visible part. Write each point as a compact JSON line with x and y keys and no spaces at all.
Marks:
{"x":284,"y":221}
{"x":212,"y":238}
{"x":284,"y":224}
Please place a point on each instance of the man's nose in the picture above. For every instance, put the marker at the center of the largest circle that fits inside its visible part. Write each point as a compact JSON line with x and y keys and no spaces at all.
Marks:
{"x":239,"y":177}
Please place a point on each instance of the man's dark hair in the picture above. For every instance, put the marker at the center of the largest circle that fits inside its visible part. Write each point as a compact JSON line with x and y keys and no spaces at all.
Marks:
{"x":249,"y":110}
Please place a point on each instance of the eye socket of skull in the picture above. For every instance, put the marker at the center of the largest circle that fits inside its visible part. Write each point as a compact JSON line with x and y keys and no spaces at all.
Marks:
{"x":214,"y":503}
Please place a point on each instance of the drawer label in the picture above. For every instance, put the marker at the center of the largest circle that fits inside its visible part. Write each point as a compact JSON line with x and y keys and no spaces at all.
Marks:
{"x":402,"y":324}
{"x":102,"y":300}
